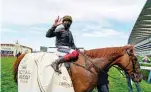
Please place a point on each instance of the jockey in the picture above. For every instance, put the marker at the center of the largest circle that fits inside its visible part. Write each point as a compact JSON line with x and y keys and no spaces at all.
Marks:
{"x":64,"y":40}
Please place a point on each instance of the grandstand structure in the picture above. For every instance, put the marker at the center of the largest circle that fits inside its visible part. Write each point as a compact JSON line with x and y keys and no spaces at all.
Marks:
{"x":141,"y":33}
{"x":8,"y":49}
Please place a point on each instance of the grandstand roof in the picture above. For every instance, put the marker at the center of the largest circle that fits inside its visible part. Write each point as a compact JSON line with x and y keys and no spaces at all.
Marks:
{"x":141,"y":33}
{"x":142,"y":28}
{"x":7,"y":44}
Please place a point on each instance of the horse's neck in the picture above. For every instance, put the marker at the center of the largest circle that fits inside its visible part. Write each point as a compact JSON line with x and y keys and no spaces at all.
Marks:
{"x":124,"y":63}
{"x":113,"y":58}
{"x":100,"y":64}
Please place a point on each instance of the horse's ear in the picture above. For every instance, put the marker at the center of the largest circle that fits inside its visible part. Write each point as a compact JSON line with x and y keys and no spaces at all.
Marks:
{"x":130,"y":49}
{"x":132,"y":45}
{"x":129,"y":46}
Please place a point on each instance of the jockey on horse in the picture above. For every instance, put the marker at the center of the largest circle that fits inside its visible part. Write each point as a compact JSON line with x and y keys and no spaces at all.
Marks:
{"x":64,"y":40}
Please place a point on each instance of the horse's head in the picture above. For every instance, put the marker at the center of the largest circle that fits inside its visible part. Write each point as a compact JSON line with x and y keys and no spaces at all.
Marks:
{"x":130,"y":64}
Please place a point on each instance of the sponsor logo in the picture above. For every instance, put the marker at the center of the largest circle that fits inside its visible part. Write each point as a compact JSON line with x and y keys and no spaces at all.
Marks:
{"x":24,"y":74}
{"x":65,"y":83}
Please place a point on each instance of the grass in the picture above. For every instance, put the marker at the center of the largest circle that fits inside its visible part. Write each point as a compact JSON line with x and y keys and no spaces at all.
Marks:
{"x":119,"y":84}
{"x":7,"y":82}
{"x":115,"y":85}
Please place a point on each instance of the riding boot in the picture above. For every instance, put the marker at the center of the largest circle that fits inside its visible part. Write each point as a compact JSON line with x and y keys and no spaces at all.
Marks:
{"x":55,"y":64}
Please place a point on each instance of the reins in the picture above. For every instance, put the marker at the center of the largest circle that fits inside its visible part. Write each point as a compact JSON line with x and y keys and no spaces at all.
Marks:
{"x":93,"y":65}
{"x":100,"y":68}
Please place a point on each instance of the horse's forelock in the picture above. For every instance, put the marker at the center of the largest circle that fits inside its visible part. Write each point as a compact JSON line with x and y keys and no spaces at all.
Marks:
{"x":130,"y":49}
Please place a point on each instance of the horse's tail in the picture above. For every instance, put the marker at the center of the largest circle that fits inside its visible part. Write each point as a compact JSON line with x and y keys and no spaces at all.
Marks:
{"x":15,"y":67}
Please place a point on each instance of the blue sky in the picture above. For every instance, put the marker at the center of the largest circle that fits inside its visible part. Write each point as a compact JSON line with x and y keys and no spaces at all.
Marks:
{"x":96,"y":23}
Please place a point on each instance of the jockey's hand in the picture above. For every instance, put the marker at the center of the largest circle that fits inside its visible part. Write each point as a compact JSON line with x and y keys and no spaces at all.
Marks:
{"x":76,"y":49}
{"x":58,"y":21}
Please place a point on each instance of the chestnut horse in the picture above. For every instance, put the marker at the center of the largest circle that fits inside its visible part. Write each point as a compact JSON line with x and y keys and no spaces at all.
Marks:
{"x":84,"y":72}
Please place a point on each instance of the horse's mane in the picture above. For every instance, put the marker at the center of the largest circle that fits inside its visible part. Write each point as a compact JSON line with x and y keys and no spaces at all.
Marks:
{"x":105,"y":52}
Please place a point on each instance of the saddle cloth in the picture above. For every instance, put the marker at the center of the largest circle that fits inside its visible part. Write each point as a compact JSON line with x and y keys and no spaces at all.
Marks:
{"x":35,"y":74}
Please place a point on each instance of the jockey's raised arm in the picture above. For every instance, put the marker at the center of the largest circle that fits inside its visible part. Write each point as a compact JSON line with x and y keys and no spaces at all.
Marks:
{"x":64,"y":38}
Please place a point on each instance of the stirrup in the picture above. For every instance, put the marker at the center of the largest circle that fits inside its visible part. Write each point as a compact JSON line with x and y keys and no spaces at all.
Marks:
{"x":59,"y":71}
{"x":54,"y":66}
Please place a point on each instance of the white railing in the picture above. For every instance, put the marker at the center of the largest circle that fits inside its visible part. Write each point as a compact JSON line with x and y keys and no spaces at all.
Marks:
{"x":149,"y":75}
{"x":146,"y":67}
{"x":144,"y":63}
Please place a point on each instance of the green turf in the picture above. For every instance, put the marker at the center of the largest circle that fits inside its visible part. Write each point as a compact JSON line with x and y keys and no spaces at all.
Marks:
{"x":8,"y":85}
{"x":115,"y":85}
{"x":119,"y":85}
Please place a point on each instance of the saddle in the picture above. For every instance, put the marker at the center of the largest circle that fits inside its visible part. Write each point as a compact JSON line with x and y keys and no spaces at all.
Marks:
{"x":35,"y":74}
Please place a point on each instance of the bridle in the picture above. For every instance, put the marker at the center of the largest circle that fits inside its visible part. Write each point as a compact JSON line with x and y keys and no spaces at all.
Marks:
{"x":131,"y":56}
